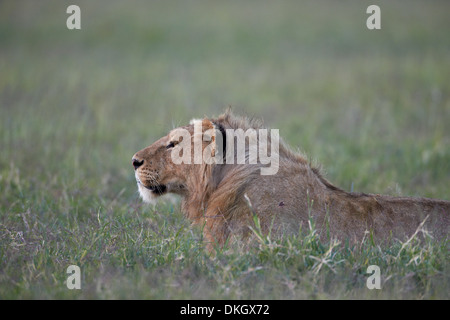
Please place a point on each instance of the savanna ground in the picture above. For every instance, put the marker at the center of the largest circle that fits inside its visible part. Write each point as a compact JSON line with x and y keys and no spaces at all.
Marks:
{"x":373,"y":107}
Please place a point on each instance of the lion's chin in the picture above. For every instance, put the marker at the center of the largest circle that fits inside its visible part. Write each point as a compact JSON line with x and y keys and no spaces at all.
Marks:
{"x":150,"y":194}
{"x":153,"y":198}
{"x":157,"y":190}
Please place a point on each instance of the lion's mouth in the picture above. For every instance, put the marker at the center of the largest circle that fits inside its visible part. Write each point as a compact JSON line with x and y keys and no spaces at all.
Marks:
{"x":158,"y":189}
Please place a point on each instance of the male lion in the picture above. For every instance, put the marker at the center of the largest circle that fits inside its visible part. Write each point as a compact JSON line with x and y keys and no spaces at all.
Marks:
{"x":225,"y":197}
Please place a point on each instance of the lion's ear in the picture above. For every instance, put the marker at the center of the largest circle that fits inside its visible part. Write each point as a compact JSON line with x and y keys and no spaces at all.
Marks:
{"x":213,"y":135}
{"x":220,"y":138}
{"x":207,"y":130}
{"x":209,"y":135}
{"x":205,"y":124}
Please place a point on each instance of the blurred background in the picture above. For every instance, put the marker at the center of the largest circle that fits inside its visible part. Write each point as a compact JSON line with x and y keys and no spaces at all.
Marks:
{"x":372,"y":106}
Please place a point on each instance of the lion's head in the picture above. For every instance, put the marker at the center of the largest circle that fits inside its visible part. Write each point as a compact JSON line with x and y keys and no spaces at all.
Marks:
{"x":165,"y":166}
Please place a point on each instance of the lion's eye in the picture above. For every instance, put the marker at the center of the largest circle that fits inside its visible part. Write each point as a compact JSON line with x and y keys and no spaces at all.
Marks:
{"x":170,"y":145}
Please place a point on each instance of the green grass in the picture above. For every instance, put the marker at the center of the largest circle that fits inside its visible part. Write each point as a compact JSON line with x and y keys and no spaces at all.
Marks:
{"x":372,"y":107}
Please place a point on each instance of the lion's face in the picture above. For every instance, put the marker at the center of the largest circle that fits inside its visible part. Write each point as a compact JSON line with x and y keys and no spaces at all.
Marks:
{"x":156,"y":173}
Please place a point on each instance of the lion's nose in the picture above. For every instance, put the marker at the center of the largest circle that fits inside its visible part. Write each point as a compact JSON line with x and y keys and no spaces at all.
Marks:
{"x":137,"y":163}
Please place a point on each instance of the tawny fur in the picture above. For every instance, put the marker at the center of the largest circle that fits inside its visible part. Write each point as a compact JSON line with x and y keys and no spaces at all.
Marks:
{"x":213,"y":196}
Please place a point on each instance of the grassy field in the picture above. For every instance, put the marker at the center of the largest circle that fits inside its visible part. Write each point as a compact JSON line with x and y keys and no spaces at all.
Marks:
{"x":373,"y":107}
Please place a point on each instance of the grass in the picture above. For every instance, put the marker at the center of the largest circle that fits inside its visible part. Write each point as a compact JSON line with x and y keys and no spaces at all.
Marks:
{"x":372,"y":106}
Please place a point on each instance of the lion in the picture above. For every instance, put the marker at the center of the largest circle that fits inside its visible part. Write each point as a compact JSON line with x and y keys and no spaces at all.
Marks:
{"x":227,"y":198}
